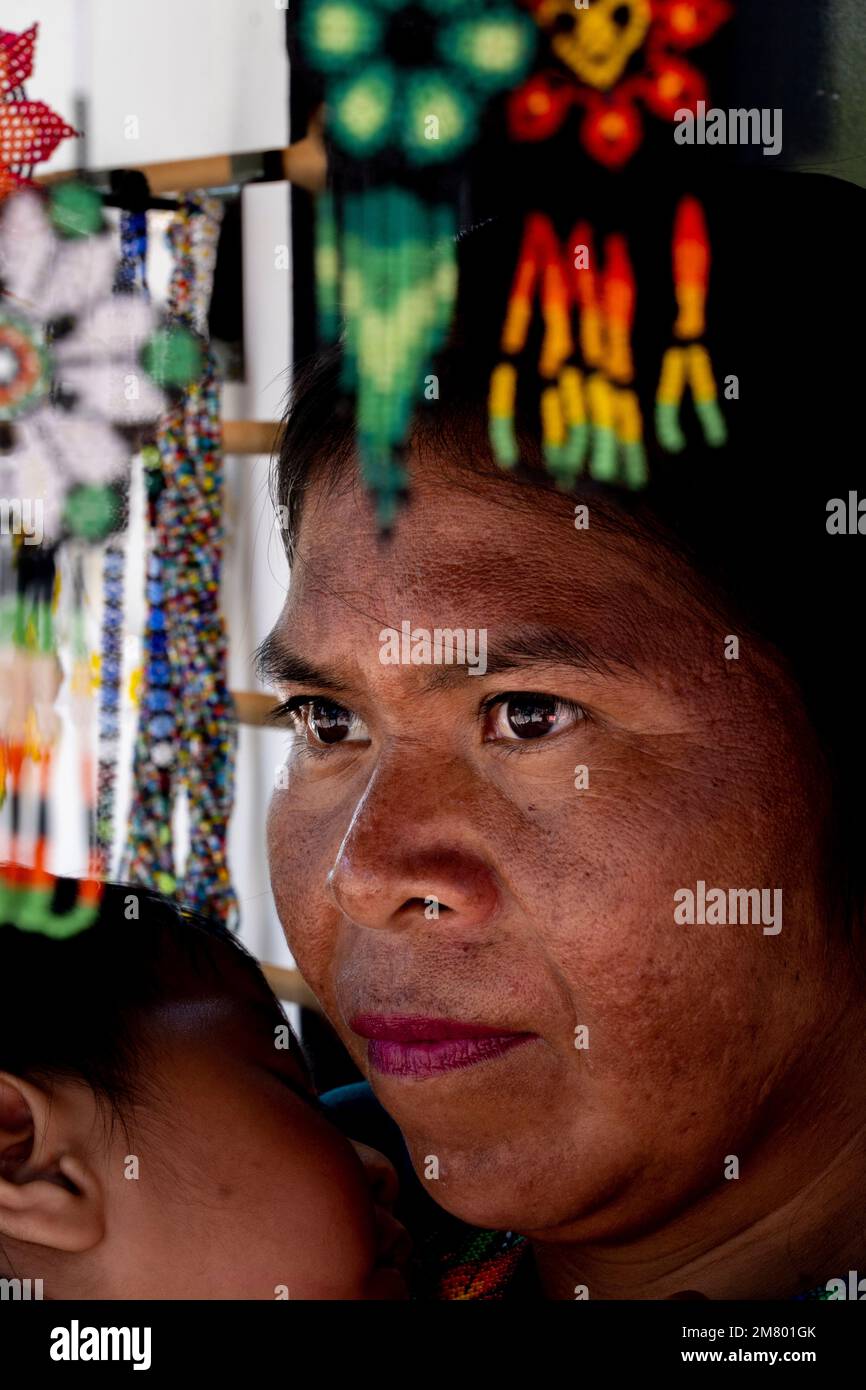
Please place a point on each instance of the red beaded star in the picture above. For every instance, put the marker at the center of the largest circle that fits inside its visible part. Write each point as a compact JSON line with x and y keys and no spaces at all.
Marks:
{"x":614,"y":58}
{"x":29,"y":130}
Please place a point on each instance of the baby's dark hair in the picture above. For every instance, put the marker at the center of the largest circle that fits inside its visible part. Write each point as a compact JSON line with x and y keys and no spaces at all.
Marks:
{"x":81,"y":1009}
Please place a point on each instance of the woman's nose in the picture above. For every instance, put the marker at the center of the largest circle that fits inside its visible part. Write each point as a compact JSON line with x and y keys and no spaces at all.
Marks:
{"x":381,"y":884}
{"x":413,"y":852}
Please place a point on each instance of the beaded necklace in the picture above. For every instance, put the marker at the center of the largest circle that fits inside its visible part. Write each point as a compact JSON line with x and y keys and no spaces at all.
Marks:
{"x":186,"y":735}
{"x":131,"y":277}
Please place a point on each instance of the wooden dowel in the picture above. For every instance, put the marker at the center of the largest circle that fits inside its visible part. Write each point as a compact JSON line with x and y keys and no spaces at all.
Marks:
{"x":250,"y":436}
{"x":176,"y":175}
{"x":184,"y":175}
{"x":305,"y":164}
{"x":252,"y":707}
{"x":290,"y":986}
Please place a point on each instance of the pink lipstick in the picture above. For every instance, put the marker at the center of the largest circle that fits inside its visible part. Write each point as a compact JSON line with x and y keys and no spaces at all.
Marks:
{"x":420,"y":1047}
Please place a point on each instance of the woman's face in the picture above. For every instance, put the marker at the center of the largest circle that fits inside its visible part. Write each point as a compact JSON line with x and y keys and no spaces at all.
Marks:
{"x":501,"y":851}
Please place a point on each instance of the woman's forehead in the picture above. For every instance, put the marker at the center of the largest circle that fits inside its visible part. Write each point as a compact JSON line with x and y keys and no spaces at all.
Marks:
{"x":495,"y":546}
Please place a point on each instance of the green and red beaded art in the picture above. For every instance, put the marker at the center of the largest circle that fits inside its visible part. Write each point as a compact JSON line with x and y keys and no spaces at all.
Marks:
{"x":413,"y":79}
{"x":406,"y":87}
{"x":609,"y":61}
{"x":80,"y":361}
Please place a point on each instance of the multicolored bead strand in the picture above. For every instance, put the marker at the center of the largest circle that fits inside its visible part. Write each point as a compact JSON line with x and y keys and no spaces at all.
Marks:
{"x":688,"y":364}
{"x":186,"y":735}
{"x":585,"y":368}
{"x":131,"y":278}
{"x":132,"y":271}
{"x":110,"y":675}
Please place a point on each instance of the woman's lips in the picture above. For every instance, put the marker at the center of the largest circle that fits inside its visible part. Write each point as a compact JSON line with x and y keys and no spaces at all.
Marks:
{"x":419,"y":1047}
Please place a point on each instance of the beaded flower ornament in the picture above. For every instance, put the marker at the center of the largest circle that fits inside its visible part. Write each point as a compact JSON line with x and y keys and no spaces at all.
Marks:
{"x":187,"y":732}
{"x":29,"y":130}
{"x":81,"y":353}
{"x":406,"y":85}
{"x":608,"y":60}
{"x":71,"y":380}
{"x":70,"y":362}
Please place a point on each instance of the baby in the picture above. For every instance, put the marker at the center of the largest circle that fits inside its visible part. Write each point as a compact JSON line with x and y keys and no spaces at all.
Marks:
{"x":159,"y":1135}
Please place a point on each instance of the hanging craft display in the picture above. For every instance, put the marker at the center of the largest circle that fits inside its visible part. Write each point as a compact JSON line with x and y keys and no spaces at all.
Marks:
{"x":186,"y":735}
{"x":605,"y":59}
{"x":71,"y":374}
{"x":590,"y":414}
{"x":131,"y":278}
{"x":73,"y":384}
{"x":28,"y":733}
{"x":688,"y":363}
{"x":29,"y":130}
{"x":591,"y":419}
{"x":610,"y":60}
{"x":406,"y":85}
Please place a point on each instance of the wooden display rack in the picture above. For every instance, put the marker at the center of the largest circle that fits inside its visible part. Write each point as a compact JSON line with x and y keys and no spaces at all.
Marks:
{"x":304,"y":164}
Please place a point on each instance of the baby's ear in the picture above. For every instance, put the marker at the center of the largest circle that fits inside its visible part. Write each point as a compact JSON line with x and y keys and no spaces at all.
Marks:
{"x":49,"y":1193}
{"x":16,"y":1128}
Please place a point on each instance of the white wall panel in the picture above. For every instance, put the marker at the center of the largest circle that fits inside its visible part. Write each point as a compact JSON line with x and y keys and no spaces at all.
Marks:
{"x":197,"y":77}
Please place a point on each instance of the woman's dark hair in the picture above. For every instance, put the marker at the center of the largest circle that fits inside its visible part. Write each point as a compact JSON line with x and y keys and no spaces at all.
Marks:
{"x":785,"y":314}
{"x":79,"y":1008}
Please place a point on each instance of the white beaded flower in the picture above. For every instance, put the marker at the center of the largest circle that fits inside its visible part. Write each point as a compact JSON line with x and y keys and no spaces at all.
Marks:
{"x":69,"y":363}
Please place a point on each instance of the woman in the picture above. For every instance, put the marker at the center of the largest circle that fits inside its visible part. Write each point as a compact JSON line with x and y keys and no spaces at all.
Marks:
{"x":480,"y":877}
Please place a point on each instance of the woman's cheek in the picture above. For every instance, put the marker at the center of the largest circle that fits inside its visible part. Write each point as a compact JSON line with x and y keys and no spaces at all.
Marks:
{"x":291,"y":840}
{"x":300,"y":856}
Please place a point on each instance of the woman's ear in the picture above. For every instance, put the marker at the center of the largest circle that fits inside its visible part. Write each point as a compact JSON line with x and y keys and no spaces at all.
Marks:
{"x":50,"y":1194}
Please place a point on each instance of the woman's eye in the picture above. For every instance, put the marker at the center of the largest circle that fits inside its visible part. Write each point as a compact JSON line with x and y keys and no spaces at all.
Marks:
{"x":323,"y":722}
{"x":525,"y":715}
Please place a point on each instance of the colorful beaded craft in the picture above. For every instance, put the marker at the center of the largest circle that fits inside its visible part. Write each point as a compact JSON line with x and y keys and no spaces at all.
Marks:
{"x":29,"y":130}
{"x":410,"y":78}
{"x":131,"y":278}
{"x":110,"y":674}
{"x":395,"y":278}
{"x":689,"y":364}
{"x":28,"y":732}
{"x":406,"y":85}
{"x":186,"y":734}
{"x":589,"y":402}
{"x":610,"y":58}
{"x":69,"y":349}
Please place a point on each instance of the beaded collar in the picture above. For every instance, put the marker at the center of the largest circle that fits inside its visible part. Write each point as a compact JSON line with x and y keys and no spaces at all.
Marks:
{"x":492,"y":1265}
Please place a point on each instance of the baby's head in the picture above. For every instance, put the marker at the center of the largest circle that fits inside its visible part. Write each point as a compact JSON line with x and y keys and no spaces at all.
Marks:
{"x":159,"y":1136}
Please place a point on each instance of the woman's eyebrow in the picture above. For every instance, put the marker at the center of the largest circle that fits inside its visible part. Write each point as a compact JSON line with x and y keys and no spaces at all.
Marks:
{"x":276,"y":661}
{"x":520,"y":649}
{"x":542,"y":646}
